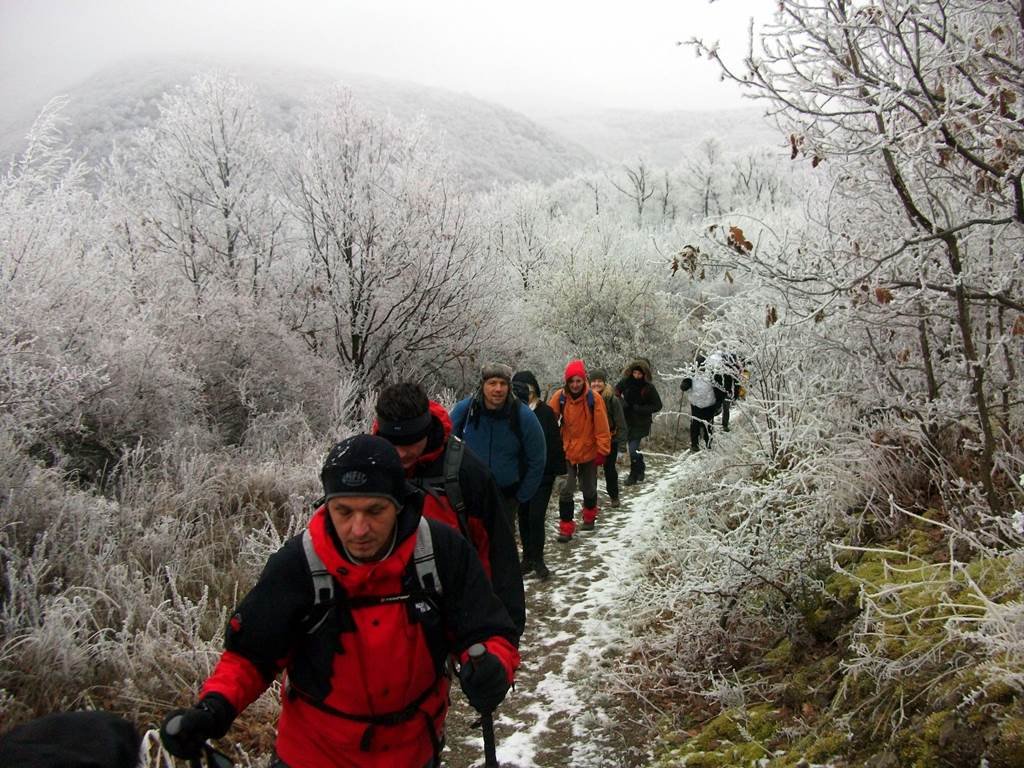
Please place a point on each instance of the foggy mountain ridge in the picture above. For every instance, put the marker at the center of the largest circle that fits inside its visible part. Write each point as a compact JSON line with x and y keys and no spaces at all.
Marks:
{"x":488,"y":143}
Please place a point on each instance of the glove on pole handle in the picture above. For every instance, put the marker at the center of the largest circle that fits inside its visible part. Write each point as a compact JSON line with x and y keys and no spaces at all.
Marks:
{"x":173,"y":728}
{"x":214,"y":759}
{"x":476,"y":651}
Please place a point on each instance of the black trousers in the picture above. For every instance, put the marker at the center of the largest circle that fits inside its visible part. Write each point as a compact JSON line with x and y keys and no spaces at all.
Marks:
{"x":700,"y":425}
{"x":611,"y":473}
{"x":532,"y":515}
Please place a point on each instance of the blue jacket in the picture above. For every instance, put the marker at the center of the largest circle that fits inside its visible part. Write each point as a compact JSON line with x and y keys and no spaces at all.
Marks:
{"x":517,"y":465}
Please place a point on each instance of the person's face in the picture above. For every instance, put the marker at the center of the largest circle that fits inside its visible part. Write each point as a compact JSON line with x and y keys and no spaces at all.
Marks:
{"x":364,"y":524}
{"x":410,"y":453}
{"x":575,"y":384}
{"x":637,"y":373}
{"x":597,"y":385}
{"x":495,"y":393}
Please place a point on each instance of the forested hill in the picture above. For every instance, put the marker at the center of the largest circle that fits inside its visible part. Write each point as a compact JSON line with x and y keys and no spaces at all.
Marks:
{"x":488,"y":143}
{"x":661,"y":138}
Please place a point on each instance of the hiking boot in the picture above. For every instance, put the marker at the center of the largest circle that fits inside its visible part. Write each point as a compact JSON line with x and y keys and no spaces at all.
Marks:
{"x":541,"y":571}
{"x":613,"y":503}
{"x":526,"y":566}
{"x":589,"y":518}
{"x":631,"y":480}
{"x":566,"y":528}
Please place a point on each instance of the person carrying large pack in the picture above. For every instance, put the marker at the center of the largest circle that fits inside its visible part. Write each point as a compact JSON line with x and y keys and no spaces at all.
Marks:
{"x":587,"y":441}
{"x":505,"y":434}
{"x":362,"y":612}
{"x":460,"y":488}
{"x":709,"y":387}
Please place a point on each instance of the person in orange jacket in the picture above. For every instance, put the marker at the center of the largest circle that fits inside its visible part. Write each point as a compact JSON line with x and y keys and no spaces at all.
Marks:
{"x":586,"y":439}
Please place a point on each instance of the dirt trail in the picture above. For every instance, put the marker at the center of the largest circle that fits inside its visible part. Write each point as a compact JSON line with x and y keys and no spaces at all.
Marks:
{"x":556,"y":716}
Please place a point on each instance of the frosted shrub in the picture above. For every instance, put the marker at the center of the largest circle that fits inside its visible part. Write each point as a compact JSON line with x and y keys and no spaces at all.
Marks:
{"x":746,"y":541}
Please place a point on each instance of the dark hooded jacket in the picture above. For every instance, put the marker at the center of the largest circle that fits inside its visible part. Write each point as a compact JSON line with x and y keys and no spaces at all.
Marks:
{"x":555,"y":462}
{"x":488,"y":527}
{"x":640,"y":399}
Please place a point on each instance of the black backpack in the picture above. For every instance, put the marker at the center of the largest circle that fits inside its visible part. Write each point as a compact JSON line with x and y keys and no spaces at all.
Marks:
{"x":449,"y":482}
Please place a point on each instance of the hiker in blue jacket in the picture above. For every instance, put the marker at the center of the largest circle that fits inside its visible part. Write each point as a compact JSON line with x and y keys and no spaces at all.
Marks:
{"x":503,"y":431}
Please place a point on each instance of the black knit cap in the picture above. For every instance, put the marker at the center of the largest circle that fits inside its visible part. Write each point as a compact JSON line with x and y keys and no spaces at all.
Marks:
{"x":527,"y":377}
{"x":364,"y":465}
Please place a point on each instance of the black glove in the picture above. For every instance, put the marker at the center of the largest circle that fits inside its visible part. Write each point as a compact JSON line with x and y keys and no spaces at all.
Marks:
{"x":484,"y":682}
{"x":184,"y":731}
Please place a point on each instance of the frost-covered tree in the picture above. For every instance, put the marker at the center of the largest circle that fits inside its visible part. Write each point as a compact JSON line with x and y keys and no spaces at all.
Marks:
{"x":388,"y":278}
{"x":603,"y":295}
{"x":638,"y":187}
{"x":198,"y":194}
{"x":914,"y":112}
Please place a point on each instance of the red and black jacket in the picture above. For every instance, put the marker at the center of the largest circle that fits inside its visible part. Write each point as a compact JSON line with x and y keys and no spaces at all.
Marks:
{"x":366,"y":687}
{"x":489,"y":529}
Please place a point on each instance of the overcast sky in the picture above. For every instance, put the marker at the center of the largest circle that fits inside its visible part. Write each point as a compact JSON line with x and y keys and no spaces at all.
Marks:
{"x":528,"y":54}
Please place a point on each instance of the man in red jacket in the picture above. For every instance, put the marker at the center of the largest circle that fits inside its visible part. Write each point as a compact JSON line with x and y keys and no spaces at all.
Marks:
{"x":460,"y":488}
{"x":361,"y":611}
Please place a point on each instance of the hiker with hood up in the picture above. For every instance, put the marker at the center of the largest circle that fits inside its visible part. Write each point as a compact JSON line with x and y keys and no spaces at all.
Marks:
{"x":533,"y":515}
{"x":640,"y":401}
{"x":460,"y":489}
{"x":617,"y":425}
{"x":586,"y":441}
{"x":361,"y":611}
{"x":504,"y":433}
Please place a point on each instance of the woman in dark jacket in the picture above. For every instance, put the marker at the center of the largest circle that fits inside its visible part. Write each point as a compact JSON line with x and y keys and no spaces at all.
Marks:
{"x":532,"y":514}
{"x":640,"y":401}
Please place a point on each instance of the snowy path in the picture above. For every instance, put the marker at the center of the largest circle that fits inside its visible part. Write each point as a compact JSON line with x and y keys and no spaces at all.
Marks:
{"x":555,"y":717}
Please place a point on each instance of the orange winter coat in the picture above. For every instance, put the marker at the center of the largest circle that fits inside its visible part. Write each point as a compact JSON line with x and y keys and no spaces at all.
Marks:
{"x":584,"y":434}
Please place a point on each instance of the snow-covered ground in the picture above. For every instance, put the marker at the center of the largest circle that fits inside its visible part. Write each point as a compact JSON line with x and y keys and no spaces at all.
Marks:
{"x":558,"y":714}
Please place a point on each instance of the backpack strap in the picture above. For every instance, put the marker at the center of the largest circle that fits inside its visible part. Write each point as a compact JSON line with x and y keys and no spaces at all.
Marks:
{"x":424,"y":561}
{"x":452,"y":487}
{"x":323,"y":582}
{"x":561,"y":404}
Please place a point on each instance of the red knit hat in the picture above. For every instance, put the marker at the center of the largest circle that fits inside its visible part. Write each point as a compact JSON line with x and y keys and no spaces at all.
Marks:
{"x":575,"y":368}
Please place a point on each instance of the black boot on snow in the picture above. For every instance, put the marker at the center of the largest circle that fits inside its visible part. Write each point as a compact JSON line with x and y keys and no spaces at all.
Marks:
{"x":541,"y":571}
{"x":633,"y":473}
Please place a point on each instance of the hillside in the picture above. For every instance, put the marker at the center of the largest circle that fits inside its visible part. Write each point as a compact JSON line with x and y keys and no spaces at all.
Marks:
{"x":488,"y":143}
{"x":661,"y":138}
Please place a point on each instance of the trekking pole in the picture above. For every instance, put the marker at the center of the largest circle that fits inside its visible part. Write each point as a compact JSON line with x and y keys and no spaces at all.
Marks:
{"x":486,"y":718}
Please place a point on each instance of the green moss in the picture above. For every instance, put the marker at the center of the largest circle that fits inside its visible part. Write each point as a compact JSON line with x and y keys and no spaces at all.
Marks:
{"x":826,"y":745}
{"x":1007,"y":749}
{"x":722,"y":727}
{"x":762,"y":722}
{"x":781,"y":654}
